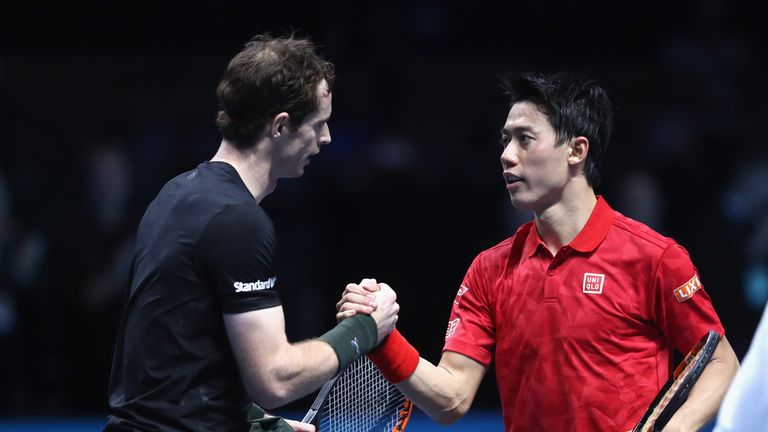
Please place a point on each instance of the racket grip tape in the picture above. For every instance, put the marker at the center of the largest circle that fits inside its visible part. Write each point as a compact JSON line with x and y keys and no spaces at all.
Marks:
{"x":352,"y":338}
{"x":395,"y":357}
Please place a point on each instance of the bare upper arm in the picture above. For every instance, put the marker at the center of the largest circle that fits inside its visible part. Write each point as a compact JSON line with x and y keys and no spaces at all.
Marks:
{"x":257,"y":339}
{"x":724,"y":352}
{"x":275,"y":371}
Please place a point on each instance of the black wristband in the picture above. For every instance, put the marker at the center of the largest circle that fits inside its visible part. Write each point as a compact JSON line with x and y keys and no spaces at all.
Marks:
{"x":352,"y":338}
{"x":255,"y":412}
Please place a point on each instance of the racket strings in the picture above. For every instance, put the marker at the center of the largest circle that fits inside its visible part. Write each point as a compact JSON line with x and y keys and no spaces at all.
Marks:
{"x":362,"y":400}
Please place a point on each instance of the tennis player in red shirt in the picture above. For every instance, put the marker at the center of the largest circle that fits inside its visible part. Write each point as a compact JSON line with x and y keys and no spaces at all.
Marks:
{"x":582,"y":308}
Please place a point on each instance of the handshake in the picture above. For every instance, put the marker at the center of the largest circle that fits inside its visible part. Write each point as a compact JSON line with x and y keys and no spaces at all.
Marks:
{"x":391,"y":353}
{"x":370,"y":298}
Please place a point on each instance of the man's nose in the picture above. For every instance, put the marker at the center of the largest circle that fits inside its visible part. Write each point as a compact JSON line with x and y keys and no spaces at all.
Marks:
{"x":325,"y":136}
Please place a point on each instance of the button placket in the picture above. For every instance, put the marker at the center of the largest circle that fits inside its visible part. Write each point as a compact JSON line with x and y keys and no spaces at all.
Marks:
{"x":551,"y":283}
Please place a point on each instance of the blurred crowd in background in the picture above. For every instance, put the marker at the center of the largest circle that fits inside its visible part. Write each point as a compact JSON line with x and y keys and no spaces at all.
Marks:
{"x":101,"y":104}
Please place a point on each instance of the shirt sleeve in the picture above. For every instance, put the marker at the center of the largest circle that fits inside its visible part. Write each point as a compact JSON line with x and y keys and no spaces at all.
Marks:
{"x":237,"y":249}
{"x":684,"y":310}
{"x":471,"y":329}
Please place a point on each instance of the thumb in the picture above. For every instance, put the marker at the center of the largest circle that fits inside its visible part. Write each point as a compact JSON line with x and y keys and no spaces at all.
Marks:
{"x":370,"y":285}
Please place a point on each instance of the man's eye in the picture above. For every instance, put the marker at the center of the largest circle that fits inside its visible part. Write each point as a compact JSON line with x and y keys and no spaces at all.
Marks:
{"x":503,"y":141}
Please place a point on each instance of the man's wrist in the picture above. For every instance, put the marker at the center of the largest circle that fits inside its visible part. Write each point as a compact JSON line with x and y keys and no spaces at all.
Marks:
{"x":352,"y":338}
{"x":395,"y":357}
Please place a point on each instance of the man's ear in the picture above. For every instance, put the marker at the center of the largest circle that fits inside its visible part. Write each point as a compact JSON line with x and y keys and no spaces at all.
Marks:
{"x":278,"y":125}
{"x":579,"y":147}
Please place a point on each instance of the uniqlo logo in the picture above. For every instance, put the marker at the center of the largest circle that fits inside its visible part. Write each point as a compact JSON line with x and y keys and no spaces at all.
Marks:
{"x":688,"y":289}
{"x":593,"y":283}
{"x":452,"y":324}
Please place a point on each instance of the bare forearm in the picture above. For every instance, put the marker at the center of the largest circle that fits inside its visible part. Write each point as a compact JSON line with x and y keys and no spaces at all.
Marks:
{"x":301,"y":368}
{"x":437,"y":392}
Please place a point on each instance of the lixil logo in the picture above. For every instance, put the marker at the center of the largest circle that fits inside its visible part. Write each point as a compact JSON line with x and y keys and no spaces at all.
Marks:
{"x":688,"y":289}
{"x":593,"y":283}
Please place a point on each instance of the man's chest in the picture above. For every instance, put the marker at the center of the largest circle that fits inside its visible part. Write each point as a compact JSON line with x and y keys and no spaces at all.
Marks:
{"x":580,"y":299}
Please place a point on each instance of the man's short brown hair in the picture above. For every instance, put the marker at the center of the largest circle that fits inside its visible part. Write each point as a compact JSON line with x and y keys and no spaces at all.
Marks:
{"x":268,"y":76}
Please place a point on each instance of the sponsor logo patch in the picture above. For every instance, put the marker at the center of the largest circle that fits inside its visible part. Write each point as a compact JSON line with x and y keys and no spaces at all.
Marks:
{"x":688,"y":289}
{"x":255,"y":286}
{"x":462,"y":290}
{"x":593,"y":283}
{"x":452,"y":324}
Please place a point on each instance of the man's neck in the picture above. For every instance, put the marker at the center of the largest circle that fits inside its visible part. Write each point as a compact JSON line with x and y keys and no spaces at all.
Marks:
{"x":252,"y":166}
{"x":561,"y":222}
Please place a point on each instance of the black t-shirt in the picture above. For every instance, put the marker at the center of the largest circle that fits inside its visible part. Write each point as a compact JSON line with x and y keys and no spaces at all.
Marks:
{"x":204,"y":247}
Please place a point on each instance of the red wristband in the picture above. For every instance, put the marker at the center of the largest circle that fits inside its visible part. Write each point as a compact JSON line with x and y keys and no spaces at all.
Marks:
{"x":395,"y":358}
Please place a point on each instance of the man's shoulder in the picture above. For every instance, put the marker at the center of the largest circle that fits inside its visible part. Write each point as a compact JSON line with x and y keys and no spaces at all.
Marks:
{"x":630,"y":230}
{"x":513,"y":243}
{"x":205,"y":190}
{"x":192,"y":200}
{"x":210,"y":183}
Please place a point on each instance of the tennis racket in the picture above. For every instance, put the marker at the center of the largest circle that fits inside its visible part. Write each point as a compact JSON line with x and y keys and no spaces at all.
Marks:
{"x":359,"y":399}
{"x":675,"y":391}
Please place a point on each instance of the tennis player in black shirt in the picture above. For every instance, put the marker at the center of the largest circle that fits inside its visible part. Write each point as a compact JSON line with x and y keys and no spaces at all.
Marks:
{"x":203,"y":333}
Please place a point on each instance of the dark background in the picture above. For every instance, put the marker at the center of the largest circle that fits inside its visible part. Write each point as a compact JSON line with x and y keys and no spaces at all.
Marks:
{"x":102,"y":103}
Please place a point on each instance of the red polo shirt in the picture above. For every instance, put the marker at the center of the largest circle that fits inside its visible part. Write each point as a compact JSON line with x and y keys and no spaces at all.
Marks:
{"x":583,"y":340}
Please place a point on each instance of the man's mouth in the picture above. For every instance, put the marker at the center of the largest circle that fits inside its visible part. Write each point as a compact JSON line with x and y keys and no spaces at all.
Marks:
{"x":511,"y":178}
